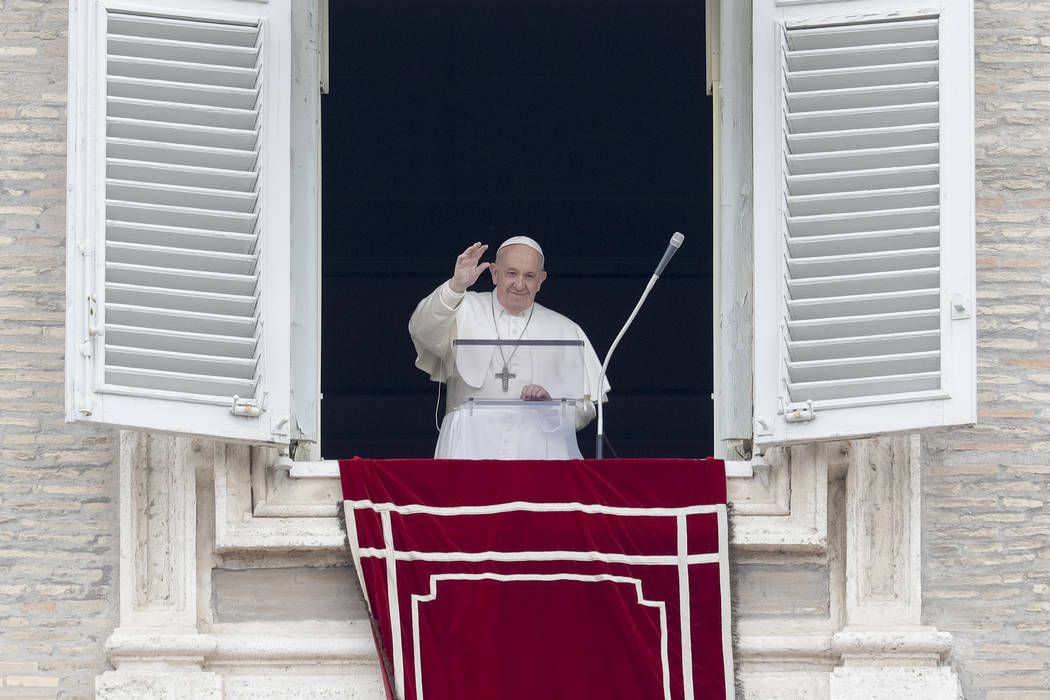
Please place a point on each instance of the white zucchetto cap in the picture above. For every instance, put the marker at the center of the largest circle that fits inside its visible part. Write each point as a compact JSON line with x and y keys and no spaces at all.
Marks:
{"x":521,"y":240}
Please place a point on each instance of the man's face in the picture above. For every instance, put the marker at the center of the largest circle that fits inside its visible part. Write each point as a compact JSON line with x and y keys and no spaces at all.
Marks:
{"x":517,"y":274}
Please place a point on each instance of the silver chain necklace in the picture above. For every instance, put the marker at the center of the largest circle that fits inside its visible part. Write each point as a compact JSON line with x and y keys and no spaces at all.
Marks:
{"x":505,"y":376}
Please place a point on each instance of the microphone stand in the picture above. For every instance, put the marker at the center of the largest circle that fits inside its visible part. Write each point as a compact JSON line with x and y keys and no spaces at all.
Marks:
{"x":676,"y":242}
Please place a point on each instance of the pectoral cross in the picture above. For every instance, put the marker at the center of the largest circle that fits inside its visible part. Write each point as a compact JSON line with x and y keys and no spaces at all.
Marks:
{"x":506,"y":376}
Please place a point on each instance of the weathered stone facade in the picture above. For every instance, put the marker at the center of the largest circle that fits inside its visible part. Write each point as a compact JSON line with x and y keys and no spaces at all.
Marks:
{"x":987,"y":490}
{"x":58,"y":510}
{"x":985,"y":554}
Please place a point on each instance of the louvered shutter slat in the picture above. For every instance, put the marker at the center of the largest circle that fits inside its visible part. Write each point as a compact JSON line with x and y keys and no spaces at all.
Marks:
{"x":877,"y":55}
{"x":164,"y":256}
{"x":168,"y":174}
{"x":180,"y":300}
{"x":878,"y":96}
{"x":869,"y":200}
{"x":863,"y":221}
{"x":872,"y":179}
{"x":182,"y":154}
{"x":180,"y":341}
{"x":863,"y":304}
{"x":864,"y":346}
{"x":214,"y":220}
{"x":230,"y":33}
{"x":867,"y":387}
{"x":182,"y":72}
{"x":146,"y":317}
{"x":855,"y":36}
{"x":863,"y":324}
{"x":833,"y":264}
{"x":862,"y":367}
{"x":183,"y":362}
{"x":188,"y":93}
{"x":866,"y":118}
{"x":188,"y":134}
{"x":155,"y":111}
{"x":862,"y":76}
{"x":861,"y":159}
{"x":180,"y":237}
{"x":187,"y":51}
{"x":194,"y":280}
{"x":868,"y":242}
{"x":181,"y":196}
{"x":888,"y":137}
{"x":871,"y":283}
{"x":182,"y":382}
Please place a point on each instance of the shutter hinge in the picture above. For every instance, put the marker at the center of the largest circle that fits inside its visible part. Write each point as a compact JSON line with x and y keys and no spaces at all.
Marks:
{"x":87,"y":346}
{"x":799,"y":412}
{"x":249,"y":408}
{"x":960,"y":307}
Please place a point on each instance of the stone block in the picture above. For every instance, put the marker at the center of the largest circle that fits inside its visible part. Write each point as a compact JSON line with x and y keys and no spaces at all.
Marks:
{"x":118,"y":685}
{"x":888,"y":683}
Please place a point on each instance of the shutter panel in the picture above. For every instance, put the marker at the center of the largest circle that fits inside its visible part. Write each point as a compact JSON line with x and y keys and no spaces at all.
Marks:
{"x":179,"y":193}
{"x":864,"y":232}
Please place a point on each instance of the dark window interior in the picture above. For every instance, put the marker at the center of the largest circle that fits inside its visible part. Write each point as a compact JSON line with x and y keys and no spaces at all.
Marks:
{"x":584,"y":124}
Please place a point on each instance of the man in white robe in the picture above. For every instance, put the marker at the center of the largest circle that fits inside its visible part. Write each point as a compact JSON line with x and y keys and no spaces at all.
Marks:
{"x":541,"y":429}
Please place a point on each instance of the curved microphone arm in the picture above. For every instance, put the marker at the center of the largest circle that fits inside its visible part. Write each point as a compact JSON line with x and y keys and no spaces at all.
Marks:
{"x":672,"y":248}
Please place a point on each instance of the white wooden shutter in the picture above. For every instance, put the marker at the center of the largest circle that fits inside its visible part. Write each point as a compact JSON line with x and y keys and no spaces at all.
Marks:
{"x":179,"y":215}
{"x":864,"y":218}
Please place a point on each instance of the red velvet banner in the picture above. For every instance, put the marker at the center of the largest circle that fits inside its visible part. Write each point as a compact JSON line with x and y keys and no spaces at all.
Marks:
{"x":553,"y":580}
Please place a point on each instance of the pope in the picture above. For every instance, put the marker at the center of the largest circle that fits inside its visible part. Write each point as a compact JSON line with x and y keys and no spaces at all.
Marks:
{"x":499,"y":368}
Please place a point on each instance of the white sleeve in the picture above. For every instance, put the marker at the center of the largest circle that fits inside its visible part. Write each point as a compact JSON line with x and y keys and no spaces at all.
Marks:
{"x":432,"y":328}
{"x":585,"y":413}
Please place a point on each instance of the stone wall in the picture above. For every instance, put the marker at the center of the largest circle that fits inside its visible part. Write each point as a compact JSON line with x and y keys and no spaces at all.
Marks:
{"x":58,"y":517}
{"x":987,"y":554}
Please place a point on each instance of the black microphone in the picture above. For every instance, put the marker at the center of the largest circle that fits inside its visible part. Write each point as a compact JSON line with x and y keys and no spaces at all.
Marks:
{"x":672,"y":248}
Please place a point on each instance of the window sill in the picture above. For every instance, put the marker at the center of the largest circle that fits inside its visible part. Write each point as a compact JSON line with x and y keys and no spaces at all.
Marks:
{"x":329,"y":469}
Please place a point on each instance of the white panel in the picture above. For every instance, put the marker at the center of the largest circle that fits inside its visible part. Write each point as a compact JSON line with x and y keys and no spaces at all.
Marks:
{"x":179,"y":120}
{"x":850,"y":241}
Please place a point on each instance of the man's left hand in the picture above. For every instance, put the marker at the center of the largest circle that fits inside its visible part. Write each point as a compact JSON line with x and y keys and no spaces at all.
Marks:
{"x":534,"y":392}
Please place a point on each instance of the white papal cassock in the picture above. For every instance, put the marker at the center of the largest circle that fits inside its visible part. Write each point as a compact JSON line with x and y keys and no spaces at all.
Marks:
{"x":498,"y":433}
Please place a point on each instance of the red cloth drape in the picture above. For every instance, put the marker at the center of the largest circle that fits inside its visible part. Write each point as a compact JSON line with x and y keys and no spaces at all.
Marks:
{"x":553,"y":580}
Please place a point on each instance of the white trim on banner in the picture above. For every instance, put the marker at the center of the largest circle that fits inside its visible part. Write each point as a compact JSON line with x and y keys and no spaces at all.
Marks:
{"x":434,"y":578}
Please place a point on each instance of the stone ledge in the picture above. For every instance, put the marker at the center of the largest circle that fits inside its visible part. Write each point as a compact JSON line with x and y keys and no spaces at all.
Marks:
{"x":137,"y":648}
{"x":893,"y":646}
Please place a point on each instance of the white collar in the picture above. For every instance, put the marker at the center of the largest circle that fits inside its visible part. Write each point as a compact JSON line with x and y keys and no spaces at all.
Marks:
{"x":503,"y":312}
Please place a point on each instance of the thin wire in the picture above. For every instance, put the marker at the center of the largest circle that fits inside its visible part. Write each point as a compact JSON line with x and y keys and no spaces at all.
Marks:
{"x":437,"y":405}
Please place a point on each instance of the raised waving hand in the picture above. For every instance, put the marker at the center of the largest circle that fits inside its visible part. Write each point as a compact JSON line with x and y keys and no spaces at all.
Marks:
{"x":468,"y":269}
